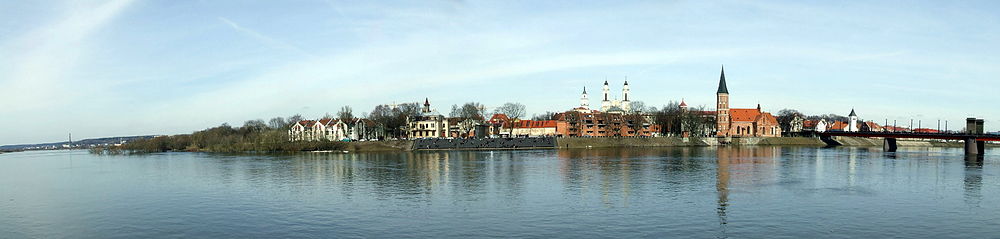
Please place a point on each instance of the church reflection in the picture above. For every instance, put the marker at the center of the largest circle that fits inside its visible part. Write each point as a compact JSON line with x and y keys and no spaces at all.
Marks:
{"x":742,"y":167}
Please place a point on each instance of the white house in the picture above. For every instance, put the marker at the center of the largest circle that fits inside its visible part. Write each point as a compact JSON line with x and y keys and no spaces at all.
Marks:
{"x":821,"y":125}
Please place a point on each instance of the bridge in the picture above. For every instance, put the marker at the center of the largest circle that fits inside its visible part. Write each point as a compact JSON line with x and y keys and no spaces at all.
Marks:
{"x":975,"y":139}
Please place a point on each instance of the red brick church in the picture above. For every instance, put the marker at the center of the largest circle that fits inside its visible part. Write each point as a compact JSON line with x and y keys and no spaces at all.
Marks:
{"x":732,"y":122}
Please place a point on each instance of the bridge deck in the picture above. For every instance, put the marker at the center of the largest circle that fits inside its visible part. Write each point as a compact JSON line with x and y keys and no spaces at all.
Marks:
{"x":910,"y":135}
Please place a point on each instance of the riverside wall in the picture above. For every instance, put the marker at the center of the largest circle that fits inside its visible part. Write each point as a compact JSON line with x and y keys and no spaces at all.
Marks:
{"x":600,"y":142}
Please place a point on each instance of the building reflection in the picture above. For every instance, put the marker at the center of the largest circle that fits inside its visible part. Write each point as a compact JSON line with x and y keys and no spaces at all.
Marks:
{"x":973,"y":179}
{"x":742,"y":167}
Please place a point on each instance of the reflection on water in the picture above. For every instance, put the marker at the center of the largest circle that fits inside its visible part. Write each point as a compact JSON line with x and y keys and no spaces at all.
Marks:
{"x":637,"y":192}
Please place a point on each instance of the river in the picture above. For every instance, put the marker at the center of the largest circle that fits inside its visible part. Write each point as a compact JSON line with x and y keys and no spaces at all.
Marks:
{"x":700,"y":192}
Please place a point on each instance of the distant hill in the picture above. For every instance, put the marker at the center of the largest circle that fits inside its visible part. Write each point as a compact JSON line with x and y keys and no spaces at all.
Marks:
{"x":86,"y":143}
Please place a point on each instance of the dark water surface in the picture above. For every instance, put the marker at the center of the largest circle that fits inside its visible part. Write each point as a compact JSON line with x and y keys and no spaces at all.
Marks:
{"x":759,"y":192}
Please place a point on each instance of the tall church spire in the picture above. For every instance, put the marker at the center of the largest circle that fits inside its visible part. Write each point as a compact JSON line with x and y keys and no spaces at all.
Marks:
{"x":722,"y":82}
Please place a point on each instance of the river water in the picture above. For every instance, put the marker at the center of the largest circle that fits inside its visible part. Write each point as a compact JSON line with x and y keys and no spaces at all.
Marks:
{"x":701,"y":192}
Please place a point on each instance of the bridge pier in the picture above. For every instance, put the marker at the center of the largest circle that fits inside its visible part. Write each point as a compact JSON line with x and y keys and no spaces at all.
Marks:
{"x":981,"y":145}
{"x":889,"y":144}
{"x":972,"y":147}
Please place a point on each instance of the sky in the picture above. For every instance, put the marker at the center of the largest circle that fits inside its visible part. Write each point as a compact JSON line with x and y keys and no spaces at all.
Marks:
{"x":100,"y":68}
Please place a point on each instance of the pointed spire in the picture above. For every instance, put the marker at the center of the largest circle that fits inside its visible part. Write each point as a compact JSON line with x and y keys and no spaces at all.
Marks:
{"x":852,"y":113}
{"x":427,"y":102}
{"x":722,"y":82}
{"x":584,"y":90}
{"x":682,"y":103}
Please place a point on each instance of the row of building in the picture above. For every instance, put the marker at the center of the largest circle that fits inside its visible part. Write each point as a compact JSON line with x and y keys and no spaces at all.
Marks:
{"x":614,"y":118}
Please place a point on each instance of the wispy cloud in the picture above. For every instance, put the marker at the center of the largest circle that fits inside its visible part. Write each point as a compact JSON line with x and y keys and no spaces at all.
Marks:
{"x":269,"y":41}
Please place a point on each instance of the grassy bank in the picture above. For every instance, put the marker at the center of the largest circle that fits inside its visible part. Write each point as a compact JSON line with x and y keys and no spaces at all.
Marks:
{"x":630,"y":142}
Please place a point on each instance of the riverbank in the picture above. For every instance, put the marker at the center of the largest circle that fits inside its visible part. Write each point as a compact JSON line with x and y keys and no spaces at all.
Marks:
{"x":561,"y":143}
{"x":575,"y":143}
{"x":870,"y":142}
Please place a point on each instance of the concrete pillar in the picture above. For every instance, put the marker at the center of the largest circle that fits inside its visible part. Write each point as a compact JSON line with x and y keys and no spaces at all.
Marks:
{"x":981,"y":145}
{"x":889,"y":144}
{"x":971,"y":147}
{"x":970,"y":126}
{"x":979,"y":127}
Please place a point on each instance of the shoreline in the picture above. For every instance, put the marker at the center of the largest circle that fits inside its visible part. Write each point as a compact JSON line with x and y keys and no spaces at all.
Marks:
{"x":581,"y":143}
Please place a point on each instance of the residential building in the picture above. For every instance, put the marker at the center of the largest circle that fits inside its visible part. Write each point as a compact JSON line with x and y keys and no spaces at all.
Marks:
{"x":365,"y":129}
{"x":604,"y":124}
{"x":428,"y":124}
{"x":536,"y":128}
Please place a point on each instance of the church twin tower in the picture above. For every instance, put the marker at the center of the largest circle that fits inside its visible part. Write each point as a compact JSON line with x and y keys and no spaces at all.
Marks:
{"x":608,"y":104}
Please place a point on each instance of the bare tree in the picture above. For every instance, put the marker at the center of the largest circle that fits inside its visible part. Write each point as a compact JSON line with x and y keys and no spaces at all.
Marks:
{"x":544,"y":116}
{"x":471,"y":110}
{"x":786,"y":116}
{"x":345,"y":115}
{"x":294,"y":119}
{"x":455,"y":111}
{"x":277,"y":123}
{"x":394,"y":118}
{"x":252,"y":126}
{"x":637,"y":106}
{"x":512,"y":110}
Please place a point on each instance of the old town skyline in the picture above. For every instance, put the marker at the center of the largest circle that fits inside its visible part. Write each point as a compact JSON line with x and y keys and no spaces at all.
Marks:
{"x":95,"y":69}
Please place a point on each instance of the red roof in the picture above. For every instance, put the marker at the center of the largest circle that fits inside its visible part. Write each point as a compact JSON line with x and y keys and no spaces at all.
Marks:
{"x":327,"y":121}
{"x":837,"y":125}
{"x":743,"y":114}
{"x":895,"y":129}
{"x":535,"y":124}
{"x":307,"y":123}
{"x":809,"y":124}
{"x":498,"y":117}
{"x":925,"y":130}
{"x":768,"y":118}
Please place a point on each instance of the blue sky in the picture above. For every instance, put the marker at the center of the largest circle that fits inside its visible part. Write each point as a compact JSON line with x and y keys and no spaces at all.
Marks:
{"x":122,"y":67}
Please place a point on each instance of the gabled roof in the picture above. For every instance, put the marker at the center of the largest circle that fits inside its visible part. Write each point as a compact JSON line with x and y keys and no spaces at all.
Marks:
{"x":767,"y":118}
{"x":722,"y":82}
{"x":327,"y":121}
{"x":307,"y":123}
{"x":745,"y":115}
{"x":837,"y":125}
{"x":499,"y":117}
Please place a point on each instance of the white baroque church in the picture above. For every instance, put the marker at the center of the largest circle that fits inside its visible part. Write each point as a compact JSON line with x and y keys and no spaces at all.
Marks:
{"x":609,"y":104}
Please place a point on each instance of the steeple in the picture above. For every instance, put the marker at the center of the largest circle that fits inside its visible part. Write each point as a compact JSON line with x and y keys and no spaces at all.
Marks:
{"x":722,"y":82}
{"x":584,"y":90}
{"x":852,"y":113}
{"x":427,"y":106}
